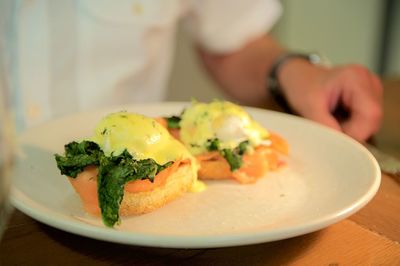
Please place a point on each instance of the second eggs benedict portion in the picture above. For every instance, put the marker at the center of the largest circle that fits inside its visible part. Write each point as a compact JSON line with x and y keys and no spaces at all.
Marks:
{"x":221,"y":120}
{"x":227,"y":142}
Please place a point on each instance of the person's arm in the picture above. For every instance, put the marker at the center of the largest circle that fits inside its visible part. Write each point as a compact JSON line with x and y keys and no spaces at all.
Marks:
{"x":242,"y":74}
{"x":312,"y":91}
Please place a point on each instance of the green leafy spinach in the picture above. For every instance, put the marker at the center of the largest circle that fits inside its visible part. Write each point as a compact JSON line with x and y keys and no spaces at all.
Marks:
{"x":232,"y":156}
{"x":173,"y":121}
{"x":77,"y":157}
{"x":213,"y":144}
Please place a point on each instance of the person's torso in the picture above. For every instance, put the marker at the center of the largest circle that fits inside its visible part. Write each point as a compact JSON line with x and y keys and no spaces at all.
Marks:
{"x":77,"y":55}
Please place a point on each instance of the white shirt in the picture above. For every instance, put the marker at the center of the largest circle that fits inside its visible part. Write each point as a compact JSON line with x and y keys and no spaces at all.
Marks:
{"x":69,"y":56}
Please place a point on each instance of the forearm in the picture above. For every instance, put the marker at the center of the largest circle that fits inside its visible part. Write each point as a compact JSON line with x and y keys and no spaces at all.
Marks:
{"x":242,"y":74}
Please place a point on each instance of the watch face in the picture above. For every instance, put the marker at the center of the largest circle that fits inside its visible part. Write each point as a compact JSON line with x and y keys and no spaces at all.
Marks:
{"x":319,"y":59}
{"x":315,"y":58}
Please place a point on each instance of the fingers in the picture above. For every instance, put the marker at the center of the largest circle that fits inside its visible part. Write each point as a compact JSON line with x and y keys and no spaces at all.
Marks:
{"x":363,"y":123}
{"x":362,"y":95}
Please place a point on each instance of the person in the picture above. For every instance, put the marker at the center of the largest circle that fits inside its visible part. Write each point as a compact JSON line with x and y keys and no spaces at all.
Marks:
{"x":68,"y":56}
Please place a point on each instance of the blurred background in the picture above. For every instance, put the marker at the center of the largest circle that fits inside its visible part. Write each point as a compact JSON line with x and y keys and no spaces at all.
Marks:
{"x":366,"y":32}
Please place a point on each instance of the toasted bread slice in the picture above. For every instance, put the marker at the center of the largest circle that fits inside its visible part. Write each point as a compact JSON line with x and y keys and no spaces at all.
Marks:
{"x":145,"y":198}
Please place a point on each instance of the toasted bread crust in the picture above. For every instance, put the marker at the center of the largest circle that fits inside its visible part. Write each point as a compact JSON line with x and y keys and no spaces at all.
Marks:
{"x":255,"y":165}
{"x":176,"y":184}
{"x":213,"y":166}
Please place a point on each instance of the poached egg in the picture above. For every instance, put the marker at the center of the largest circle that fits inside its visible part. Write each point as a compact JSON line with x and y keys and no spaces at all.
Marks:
{"x":223,"y":120}
{"x":142,"y":136}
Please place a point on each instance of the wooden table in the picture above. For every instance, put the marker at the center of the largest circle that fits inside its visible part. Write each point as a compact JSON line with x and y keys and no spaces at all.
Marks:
{"x":370,"y":237}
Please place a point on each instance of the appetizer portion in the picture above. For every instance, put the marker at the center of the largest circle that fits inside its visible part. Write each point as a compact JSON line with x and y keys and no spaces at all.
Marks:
{"x":227,"y":142}
{"x":131,"y":165}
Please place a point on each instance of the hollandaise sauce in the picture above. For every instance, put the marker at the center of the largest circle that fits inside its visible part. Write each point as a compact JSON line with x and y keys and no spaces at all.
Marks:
{"x":222,"y":120}
{"x":141,"y":136}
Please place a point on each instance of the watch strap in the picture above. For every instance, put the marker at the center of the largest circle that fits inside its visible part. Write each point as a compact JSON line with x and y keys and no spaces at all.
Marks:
{"x":274,"y":87}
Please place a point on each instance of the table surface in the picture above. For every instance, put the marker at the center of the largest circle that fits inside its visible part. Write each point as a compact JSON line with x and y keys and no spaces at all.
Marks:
{"x":369,"y":237}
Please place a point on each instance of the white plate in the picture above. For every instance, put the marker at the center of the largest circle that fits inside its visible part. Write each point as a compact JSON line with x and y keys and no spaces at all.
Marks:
{"x":329,"y":177}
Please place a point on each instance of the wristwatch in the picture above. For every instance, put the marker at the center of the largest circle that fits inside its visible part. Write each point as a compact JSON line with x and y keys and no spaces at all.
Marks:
{"x":273,"y":85}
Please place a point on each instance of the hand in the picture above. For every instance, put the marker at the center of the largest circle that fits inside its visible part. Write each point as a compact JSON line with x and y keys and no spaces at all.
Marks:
{"x":315,"y":92}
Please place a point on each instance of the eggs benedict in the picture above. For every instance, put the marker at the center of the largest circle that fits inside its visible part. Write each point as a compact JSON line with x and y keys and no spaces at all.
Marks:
{"x":227,"y":142}
{"x":131,"y":165}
